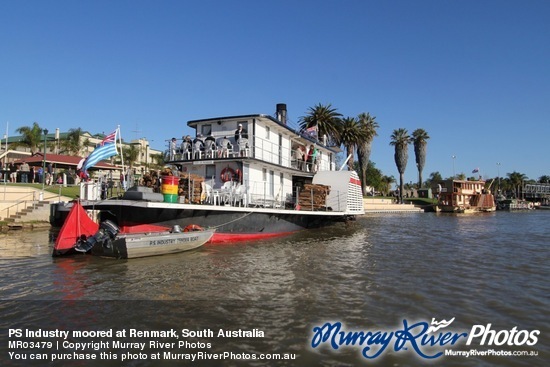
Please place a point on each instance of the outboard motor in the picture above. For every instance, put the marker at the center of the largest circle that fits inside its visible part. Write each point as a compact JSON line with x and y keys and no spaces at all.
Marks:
{"x":106,"y":233}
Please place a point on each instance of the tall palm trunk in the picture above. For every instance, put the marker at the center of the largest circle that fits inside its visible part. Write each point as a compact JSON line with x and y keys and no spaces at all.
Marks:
{"x":400,"y":140}
{"x":420,"y":137}
{"x":349,"y":150}
{"x":363,"y":157}
{"x":420,"y":152}
{"x":401,"y":157}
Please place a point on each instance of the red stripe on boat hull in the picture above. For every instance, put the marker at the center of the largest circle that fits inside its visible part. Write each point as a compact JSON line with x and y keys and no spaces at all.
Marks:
{"x":241,"y":237}
{"x":141,"y":228}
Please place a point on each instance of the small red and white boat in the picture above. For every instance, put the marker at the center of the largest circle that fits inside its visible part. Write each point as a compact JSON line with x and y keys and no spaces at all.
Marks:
{"x":108,"y":241}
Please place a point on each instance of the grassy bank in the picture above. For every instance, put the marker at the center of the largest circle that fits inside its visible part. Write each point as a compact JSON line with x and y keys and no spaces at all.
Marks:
{"x":69,"y":191}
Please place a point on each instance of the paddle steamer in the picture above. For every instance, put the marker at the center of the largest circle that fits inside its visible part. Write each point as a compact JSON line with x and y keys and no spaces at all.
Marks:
{"x":247,"y":176}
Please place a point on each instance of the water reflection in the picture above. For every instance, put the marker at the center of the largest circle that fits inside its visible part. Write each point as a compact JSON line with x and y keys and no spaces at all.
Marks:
{"x":20,"y":244}
{"x":373,"y":274}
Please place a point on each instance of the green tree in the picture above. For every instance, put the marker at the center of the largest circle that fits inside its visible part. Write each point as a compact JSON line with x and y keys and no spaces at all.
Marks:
{"x":516,"y":181}
{"x":377,"y":180}
{"x":385,"y":184}
{"x":434,"y":179}
{"x":350,"y":135}
{"x":369,"y":126}
{"x":72,"y":145}
{"x":459,"y":176}
{"x":400,"y":139}
{"x":327,"y":120}
{"x":131,"y":154}
{"x":544,"y":179}
{"x":158,"y":160}
{"x":31,"y":137}
{"x":420,"y":140}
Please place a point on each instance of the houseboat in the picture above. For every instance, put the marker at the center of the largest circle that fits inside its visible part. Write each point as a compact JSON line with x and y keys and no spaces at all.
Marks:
{"x":459,"y":196}
{"x":247,"y":177}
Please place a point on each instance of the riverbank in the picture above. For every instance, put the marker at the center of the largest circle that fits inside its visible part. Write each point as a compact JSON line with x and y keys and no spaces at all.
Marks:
{"x":27,"y":206}
{"x":387,"y":205}
{"x":40,"y":218}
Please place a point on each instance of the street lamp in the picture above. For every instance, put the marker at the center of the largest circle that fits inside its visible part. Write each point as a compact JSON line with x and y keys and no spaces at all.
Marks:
{"x":453,"y":157}
{"x":498,"y":175}
{"x":44,"y":163}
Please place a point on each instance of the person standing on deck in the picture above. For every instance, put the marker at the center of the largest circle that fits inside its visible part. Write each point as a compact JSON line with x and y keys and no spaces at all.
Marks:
{"x":240,"y":133}
{"x":300,"y":157}
{"x":312,"y":158}
{"x":173,"y":147}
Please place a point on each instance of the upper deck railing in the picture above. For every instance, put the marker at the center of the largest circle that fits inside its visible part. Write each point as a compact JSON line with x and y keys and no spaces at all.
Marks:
{"x":258,"y":148}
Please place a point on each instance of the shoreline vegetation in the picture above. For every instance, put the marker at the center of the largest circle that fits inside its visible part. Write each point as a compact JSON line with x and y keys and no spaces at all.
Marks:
{"x":73,"y":192}
{"x":70,"y":191}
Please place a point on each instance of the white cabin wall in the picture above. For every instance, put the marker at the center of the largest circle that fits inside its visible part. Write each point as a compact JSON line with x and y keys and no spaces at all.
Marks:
{"x":287,"y":149}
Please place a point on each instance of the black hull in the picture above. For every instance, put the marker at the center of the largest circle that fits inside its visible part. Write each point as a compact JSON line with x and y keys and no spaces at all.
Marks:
{"x":230,"y":220}
{"x":225,"y":222}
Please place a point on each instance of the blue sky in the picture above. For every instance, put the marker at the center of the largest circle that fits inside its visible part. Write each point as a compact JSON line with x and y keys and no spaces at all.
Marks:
{"x":475,"y":74}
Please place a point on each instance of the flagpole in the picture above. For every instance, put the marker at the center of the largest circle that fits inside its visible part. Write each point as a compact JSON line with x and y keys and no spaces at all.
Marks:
{"x":121,"y":158}
{"x":6,"y":152}
{"x":6,"y":161}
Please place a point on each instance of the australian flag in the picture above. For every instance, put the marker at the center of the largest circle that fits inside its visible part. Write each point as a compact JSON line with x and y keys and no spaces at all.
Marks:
{"x":312,"y":131}
{"x":105,"y":149}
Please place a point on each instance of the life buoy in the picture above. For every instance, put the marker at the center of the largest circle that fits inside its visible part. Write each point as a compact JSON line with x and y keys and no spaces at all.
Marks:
{"x":227,"y":174}
{"x":193,"y":228}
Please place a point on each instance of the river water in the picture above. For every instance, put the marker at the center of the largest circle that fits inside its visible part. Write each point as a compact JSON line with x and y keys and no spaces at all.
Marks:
{"x":382,"y":273}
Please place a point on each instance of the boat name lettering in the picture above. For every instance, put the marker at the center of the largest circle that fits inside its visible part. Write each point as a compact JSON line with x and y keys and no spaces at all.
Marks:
{"x":172,"y":241}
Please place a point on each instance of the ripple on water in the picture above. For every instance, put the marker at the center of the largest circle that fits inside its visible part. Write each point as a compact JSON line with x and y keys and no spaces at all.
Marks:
{"x":371,"y":275}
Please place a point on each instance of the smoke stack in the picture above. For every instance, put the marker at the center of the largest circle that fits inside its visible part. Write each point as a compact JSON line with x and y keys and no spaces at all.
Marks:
{"x":281,"y":112}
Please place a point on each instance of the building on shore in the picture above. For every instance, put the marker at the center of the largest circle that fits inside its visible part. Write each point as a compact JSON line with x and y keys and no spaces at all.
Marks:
{"x":14,"y":150}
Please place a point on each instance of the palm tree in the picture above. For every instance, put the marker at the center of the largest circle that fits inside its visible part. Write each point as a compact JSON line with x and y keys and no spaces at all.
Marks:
{"x":459,"y":176}
{"x":158,"y":160}
{"x":325,"y":118}
{"x":72,"y":144}
{"x":350,"y":135}
{"x":31,"y":137}
{"x":369,"y":125}
{"x":400,"y":139}
{"x":516,"y":179}
{"x":419,"y":138}
{"x":385,"y":184}
{"x":131,"y":154}
{"x":434,"y":179}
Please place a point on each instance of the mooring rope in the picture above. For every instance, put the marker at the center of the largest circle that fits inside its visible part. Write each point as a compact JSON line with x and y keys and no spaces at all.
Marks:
{"x":234,"y":220}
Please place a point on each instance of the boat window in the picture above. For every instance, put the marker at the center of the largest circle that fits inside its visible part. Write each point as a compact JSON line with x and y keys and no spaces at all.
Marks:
{"x":206,"y":130}
{"x":267,"y":132}
{"x":280,"y":149}
{"x":271,"y":183}
{"x":210,"y":171}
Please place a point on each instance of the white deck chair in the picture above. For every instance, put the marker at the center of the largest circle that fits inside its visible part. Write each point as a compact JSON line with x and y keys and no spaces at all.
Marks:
{"x":239,"y":196}
{"x":197,"y":150}
{"x":209,"y":148}
{"x":244,"y":150}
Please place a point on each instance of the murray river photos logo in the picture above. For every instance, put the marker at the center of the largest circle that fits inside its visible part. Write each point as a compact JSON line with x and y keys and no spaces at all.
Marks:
{"x":426,"y":340}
